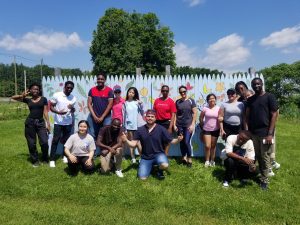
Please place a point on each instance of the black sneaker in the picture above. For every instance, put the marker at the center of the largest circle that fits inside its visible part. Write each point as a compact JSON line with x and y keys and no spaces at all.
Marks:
{"x":264,"y":186}
{"x":160,"y":175}
{"x":36,"y":164}
{"x":189,"y":164}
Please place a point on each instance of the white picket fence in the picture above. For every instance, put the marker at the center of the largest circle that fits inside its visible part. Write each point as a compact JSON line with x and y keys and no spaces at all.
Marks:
{"x":198,"y":86}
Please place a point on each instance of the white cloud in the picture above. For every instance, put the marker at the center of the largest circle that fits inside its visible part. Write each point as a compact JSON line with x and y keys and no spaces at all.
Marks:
{"x":280,"y":39}
{"x":41,"y":43}
{"x":225,"y":54}
{"x":193,"y":3}
{"x":185,"y":56}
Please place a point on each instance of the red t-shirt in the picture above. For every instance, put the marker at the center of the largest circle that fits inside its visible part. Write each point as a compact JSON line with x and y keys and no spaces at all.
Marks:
{"x":117,"y":109}
{"x":164,"y":108}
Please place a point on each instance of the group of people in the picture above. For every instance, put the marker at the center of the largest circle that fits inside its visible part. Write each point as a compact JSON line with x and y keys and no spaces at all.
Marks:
{"x":246,"y":122}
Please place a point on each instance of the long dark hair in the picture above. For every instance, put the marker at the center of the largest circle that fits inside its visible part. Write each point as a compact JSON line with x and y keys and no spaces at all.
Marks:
{"x":136,"y":93}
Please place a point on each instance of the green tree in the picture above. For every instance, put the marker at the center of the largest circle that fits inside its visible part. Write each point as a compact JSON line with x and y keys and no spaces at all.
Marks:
{"x":194,"y":70}
{"x":124,"y":41}
{"x":283,"y":81}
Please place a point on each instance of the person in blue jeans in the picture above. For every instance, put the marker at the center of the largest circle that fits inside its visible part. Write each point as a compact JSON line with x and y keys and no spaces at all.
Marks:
{"x":153,"y":137}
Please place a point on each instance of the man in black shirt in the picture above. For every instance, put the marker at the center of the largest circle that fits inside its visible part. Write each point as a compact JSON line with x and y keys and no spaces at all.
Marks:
{"x":261,"y":113}
{"x":153,"y":138}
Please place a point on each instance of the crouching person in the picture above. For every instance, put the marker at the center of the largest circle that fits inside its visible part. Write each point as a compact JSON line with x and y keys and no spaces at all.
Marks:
{"x":153,"y":137}
{"x":238,"y":156}
{"x":110,"y":142}
{"x":79,"y":149}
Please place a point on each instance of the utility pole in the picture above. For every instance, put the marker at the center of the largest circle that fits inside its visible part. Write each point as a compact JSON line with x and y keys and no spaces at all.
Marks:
{"x":25,"y":86}
{"x":41,"y":70}
{"x":15,"y":68}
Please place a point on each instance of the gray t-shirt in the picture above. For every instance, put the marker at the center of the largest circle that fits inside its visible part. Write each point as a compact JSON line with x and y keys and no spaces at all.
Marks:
{"x":184,"y":115}
{"x":233,"y":112}
{"x":79,"y":146}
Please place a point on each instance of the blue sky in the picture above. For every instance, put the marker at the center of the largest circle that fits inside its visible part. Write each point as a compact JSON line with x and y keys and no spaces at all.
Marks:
{"x":229,"y":35}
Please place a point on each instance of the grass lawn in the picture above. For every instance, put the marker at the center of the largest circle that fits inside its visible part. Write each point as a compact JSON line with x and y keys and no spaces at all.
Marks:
{"x":187,"y":196}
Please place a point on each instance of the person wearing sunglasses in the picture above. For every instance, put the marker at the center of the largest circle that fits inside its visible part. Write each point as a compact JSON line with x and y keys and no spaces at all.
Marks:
{"x":165,"y":111}
{"x":118,"y":102}
{"x":185,"y":123}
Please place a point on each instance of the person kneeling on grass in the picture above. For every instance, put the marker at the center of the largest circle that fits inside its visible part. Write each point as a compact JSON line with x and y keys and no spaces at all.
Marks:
{"x":110,"y":142}
{"x":153,"y":137}
{"x":79,"y":149}
{"x":238,"y":157}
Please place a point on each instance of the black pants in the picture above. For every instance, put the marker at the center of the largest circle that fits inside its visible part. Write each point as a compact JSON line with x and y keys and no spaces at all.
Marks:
{"x":74,"y":167}
{"x":37,"y":127}
{"x":230,"y":129}
{"x":236,"y":168}
{"x":60,"y":133}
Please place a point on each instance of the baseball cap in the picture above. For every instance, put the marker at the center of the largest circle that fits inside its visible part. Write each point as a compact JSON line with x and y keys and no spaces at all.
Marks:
{"x":117,"y":89}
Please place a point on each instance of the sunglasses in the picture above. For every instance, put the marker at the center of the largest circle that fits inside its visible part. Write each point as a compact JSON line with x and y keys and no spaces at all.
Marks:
{"x":165,"y":91}
{"x":182,"y":92}
{"x":117,"y":92}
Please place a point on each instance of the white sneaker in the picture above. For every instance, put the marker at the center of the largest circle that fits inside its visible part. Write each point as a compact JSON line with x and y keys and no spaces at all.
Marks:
{"x":212,"y":163}
{"x":225,"y":184}
{"x":65,"y":159}
{"x":52,"y":164}
{"x":119,"y":173}
{"x":271,"y":173}
{"x":133,"y":161}
{"x":206,"y":164}
{"x":275,"y":165}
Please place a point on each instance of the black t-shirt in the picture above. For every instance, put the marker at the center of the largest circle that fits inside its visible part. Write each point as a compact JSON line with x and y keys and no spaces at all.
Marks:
{"x":36,"y":109}
{"x":260,"y":108}
{"x":153,"y":142}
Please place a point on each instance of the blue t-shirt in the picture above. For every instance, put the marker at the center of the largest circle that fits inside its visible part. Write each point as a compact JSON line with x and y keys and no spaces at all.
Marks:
{"x":153,"y":142}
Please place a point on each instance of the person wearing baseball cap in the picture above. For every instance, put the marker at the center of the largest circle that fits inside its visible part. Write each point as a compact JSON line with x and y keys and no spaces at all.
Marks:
{"x":231,"y":113}
{"x":118,"y":102}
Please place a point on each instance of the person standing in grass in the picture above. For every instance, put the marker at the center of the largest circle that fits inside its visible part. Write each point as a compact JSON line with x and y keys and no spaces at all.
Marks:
{"x":165,"y":111}
{"x":209,"y":123}
{"x":132,"y":109}
{"x":109,"y":140}
{"x":79,"y":149}
{"x":117,"y":105}
{"x":62,"y":105}
{"x":231,"y":115}
{"x":153,"y":138}
{"x":261,"y":114}
{"x":238,"y":156}
{"x":100,"y":101}
{"x":35,"y":123}
{"x":185,"y":123}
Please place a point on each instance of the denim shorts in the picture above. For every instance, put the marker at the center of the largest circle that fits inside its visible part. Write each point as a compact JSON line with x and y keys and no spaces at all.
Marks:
{"x":147,"y":164}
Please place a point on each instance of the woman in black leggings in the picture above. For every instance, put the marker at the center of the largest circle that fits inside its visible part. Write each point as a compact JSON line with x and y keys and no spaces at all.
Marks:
{"x":35,"y":122}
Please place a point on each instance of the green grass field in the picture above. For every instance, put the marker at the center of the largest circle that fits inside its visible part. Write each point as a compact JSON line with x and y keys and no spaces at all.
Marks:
{"x":187,"y":196}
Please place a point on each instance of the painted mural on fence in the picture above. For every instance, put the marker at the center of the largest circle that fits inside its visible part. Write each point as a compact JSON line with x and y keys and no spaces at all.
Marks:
{"x":198,"y":87}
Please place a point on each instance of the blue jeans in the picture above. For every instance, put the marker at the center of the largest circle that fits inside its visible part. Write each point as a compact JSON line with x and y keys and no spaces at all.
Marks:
{"x":95,"y":127}
{"x":146,"y":164}
{"x":185,"y":144}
